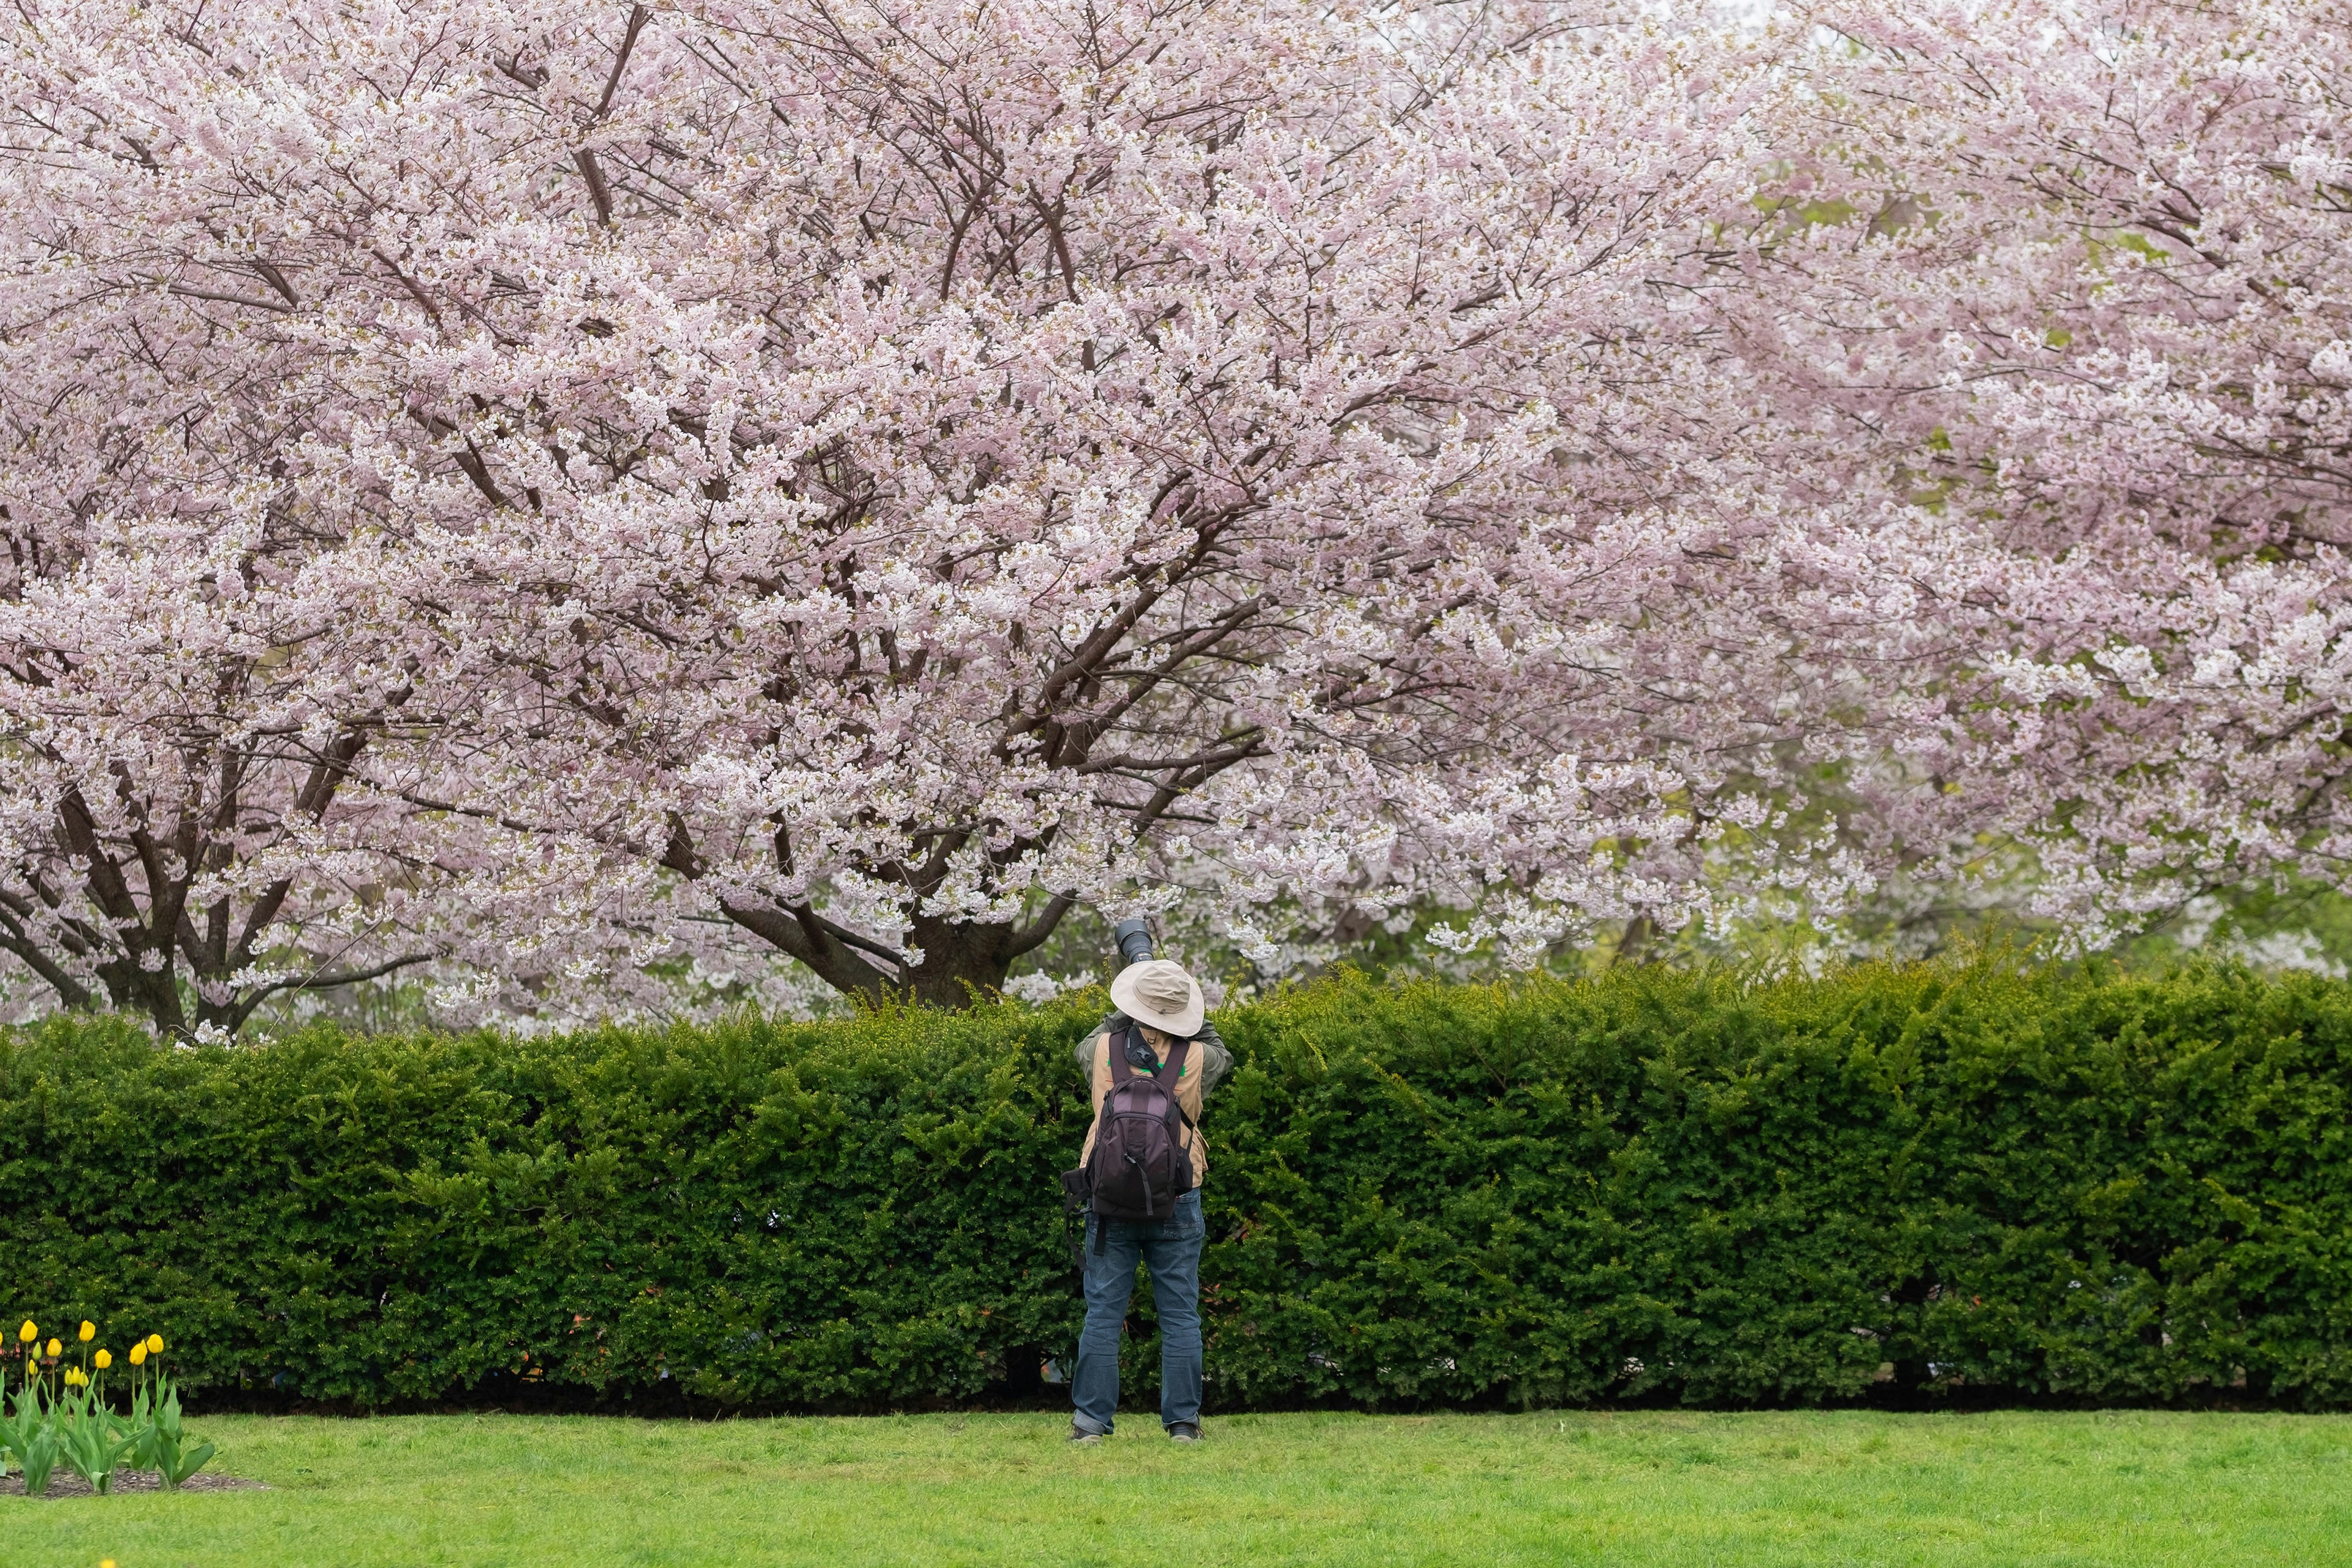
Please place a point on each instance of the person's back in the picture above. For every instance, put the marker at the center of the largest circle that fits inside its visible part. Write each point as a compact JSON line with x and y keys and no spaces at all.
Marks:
{"x":1206,"y":1063}
{"x":1150,"y":1063}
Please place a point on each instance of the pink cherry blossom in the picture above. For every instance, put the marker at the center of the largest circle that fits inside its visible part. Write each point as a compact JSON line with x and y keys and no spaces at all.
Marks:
{"x":533,"y":496}
{"x":2090,"y":312}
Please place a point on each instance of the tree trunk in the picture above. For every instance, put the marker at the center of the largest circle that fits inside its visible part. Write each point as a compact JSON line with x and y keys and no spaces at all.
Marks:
{"x":1633,"y":943}
{"x":962,"y":963}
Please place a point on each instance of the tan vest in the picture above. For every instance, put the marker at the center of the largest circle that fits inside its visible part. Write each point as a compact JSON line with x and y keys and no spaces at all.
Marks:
{"x":1187,"y":1095}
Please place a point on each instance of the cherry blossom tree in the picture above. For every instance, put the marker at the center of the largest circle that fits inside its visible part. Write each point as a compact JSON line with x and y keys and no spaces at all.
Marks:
{"x":873,"y":478}
{"x":186,"y":803}
{"x":2079,"y":278}
{"x":193,"y":688}
{"x":222,"y":654}
{"x":973,"y":463}
{"x":539,"y":496}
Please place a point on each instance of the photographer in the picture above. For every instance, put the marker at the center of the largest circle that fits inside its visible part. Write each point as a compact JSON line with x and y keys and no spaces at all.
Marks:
{"x":1152,"y":1063}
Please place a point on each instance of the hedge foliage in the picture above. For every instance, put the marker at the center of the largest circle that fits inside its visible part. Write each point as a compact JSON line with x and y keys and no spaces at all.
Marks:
{"x":1917,"y":1183}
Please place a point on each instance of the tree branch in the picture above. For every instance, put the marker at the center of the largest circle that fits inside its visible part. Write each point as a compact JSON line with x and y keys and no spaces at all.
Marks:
{"x":638,"y":16}
{"x":585,"y":160}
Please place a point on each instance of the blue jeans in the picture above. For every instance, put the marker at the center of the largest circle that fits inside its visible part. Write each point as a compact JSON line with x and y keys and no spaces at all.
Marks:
{"x":1172,"y":1249}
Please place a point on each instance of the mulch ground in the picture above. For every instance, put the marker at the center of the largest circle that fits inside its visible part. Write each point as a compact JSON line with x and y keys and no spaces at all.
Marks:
{"x":65,"y":1483}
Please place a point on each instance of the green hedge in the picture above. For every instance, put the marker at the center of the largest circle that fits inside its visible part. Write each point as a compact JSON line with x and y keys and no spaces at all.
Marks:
{"x":1917,"y":1183}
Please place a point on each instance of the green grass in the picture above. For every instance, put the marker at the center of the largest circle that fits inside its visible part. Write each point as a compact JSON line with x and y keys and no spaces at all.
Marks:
{"x":1648,"y":1489}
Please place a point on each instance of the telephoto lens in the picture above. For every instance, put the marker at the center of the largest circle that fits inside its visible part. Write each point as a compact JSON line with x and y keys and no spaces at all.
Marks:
{"x":1134,"y":938}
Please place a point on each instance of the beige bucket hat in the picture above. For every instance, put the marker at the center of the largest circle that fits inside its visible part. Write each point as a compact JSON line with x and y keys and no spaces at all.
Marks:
{"x":1158,"y":993}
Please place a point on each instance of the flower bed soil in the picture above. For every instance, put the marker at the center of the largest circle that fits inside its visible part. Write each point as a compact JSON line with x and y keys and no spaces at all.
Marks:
{"x":65,"y":1483}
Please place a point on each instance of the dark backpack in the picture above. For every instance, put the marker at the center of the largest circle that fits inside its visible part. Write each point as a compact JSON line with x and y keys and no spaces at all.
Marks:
{"x":1140,"y":1165}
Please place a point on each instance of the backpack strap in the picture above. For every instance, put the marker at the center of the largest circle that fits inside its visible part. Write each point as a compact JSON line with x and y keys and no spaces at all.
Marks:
{"x":1176,"y":1057}
{"x":1175,"y":1065}
{"x":1122,"y":1070}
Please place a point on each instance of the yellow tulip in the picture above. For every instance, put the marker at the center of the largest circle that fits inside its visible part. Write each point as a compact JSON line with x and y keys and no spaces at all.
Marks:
{"x":155,"y":1344}
{"x":56,"y":1349}
{"x":88,"y":1331}
{"x":29,"y":1333}
{"x":102,"y":1360}
{"x":75,"y":1377}
{"x":139,"y":1352}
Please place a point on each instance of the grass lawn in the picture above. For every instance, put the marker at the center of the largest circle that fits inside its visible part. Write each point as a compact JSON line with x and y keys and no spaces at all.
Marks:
{"x":935,"y":1490}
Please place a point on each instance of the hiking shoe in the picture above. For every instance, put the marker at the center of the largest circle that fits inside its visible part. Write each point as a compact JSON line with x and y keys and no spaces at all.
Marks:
{"x":1184,"y":1432}
{"x":1081,"y":1434}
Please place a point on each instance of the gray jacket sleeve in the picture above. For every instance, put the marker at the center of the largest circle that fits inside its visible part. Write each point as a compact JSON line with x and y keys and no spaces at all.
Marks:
{"x":1216,"y":1061}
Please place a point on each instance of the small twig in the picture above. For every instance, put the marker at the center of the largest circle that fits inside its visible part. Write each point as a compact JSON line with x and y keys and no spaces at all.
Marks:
{"x":185,"y":292}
